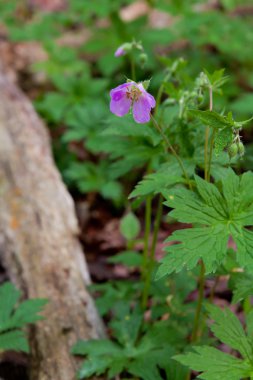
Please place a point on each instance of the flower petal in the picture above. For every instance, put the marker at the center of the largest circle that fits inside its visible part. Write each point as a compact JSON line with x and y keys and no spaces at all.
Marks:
{"x":123,"y":86}
{"x":119,"y":52}
{"x":150,"y":98}
{"x":120,"y":104}
{"x":141,"y":110}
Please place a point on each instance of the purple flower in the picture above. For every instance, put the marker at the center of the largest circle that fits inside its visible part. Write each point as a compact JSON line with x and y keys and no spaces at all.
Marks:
{"x":133,"y":95}
{"x":123,"y":49}
{"x":119,"y":52}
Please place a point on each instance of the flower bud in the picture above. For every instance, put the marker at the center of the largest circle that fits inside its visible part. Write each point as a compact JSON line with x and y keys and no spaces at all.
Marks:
{"x":143,"y":58}
{"x":233,"y":150}
{"x":127,"y":47}
{"x":241,"y":148}
{"x":123,"y":49}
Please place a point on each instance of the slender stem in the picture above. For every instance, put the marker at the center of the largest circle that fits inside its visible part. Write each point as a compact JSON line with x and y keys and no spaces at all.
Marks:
{"x":206,"y":151}
{"x":207,"y":159}
{"x":212,"y":292}
{"x":133,"y":71}
{"x":160,"y":92}
{"x":145,"y":265}
{"x":247,"y":305}
{"x":152,"y":252}
{"x":159,"y":97}
{"x":210,"y":98}
{"x":195,"y":331}
{"x":210,"y":154}
{"x":173,"y":151}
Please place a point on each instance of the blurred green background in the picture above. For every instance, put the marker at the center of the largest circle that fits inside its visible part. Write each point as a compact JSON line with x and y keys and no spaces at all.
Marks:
{"x":80,"y":38}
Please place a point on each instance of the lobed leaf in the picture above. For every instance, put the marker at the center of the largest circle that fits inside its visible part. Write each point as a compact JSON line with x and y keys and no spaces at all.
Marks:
{"x":215,"y":364}
{"x":211,"y":119}
{"x":228,"y":329}
{"x":221,"y":212}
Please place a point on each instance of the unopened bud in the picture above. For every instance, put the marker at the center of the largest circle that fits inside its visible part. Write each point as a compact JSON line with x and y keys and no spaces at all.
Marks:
{"x":241,"y":149}
{"x":200,"y":98}
{"x":143,"y":58}
{"x":233,"y":150}
{"x":123,"y":49}
{"x":202,"y":80}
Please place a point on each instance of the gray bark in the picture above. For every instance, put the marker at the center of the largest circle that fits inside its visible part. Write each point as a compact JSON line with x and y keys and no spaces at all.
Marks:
{"x":39,"y":243}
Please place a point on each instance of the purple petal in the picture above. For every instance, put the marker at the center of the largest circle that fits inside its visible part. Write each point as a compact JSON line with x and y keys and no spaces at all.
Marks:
{"x":120,"y":104}
{"x":141,"y":110}
{"x":119,"y":52}
{"x":120,"y":87}
{"x":150,"y":98}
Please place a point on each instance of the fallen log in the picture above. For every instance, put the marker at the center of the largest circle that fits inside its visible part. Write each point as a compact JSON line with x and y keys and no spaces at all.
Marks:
{"x":39,"y":244}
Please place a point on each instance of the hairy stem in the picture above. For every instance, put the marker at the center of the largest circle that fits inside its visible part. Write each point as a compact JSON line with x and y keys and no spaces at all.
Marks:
{"x":212,"y":292}
{"x":206,"y":151}
{"x":160,"y":92}
{"x":195,"y":332}
{"x":173,"y":151}
{"x":133,"y":71}
{"x":210,"y":154}
{"x":209,"y":159}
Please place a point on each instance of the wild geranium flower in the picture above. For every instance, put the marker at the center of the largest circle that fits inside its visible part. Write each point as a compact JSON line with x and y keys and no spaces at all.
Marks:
{"x":123,"y":49}
{"x":119,"y":52}
{"x":132,"y":95}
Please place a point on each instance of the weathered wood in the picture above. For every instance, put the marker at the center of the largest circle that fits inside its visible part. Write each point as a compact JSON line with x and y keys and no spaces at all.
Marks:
{"x":39,"y":238}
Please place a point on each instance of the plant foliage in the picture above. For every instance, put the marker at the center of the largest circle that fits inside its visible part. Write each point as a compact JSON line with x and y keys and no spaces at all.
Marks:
{"x":13,"y":318}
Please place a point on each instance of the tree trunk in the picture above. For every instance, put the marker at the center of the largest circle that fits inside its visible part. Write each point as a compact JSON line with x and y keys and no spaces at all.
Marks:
{"x":39,"y":244}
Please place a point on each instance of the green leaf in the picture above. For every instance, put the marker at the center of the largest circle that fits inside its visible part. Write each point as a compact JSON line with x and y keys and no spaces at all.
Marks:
{"x":217,"y":79}
{"x":138,"y":355}
{"x":222,"y":213}
{"x":215,"y":364}
{"x":13,"y":317}
{"x":130,"y":226}
{"x":27,"y":313}
{"x":9,"y":296}
{"x":166,"y":177}
{"x":53,"y":106}
{"x":128,"y":258}
{"x":126,"y":127}
{"x":112,"y":190}
{"x":228,"y":329}
{"x":14,"y":340}
{"x":216,"y":121}
{"x":211,"y":118}
{"x":243,"y":287}
{"x":222,"y":139}
{"x":249,"y":325}
{"x":195,"y":243}
{"x":96,"y":347}
{"x":126,"y":329}
{"x":155,"y":183}
{"x":94,"y":366}
{"x":143,"y":369}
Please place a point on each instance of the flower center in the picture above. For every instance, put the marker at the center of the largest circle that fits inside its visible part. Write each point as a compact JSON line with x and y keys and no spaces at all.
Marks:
{"x":133,"y":93}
